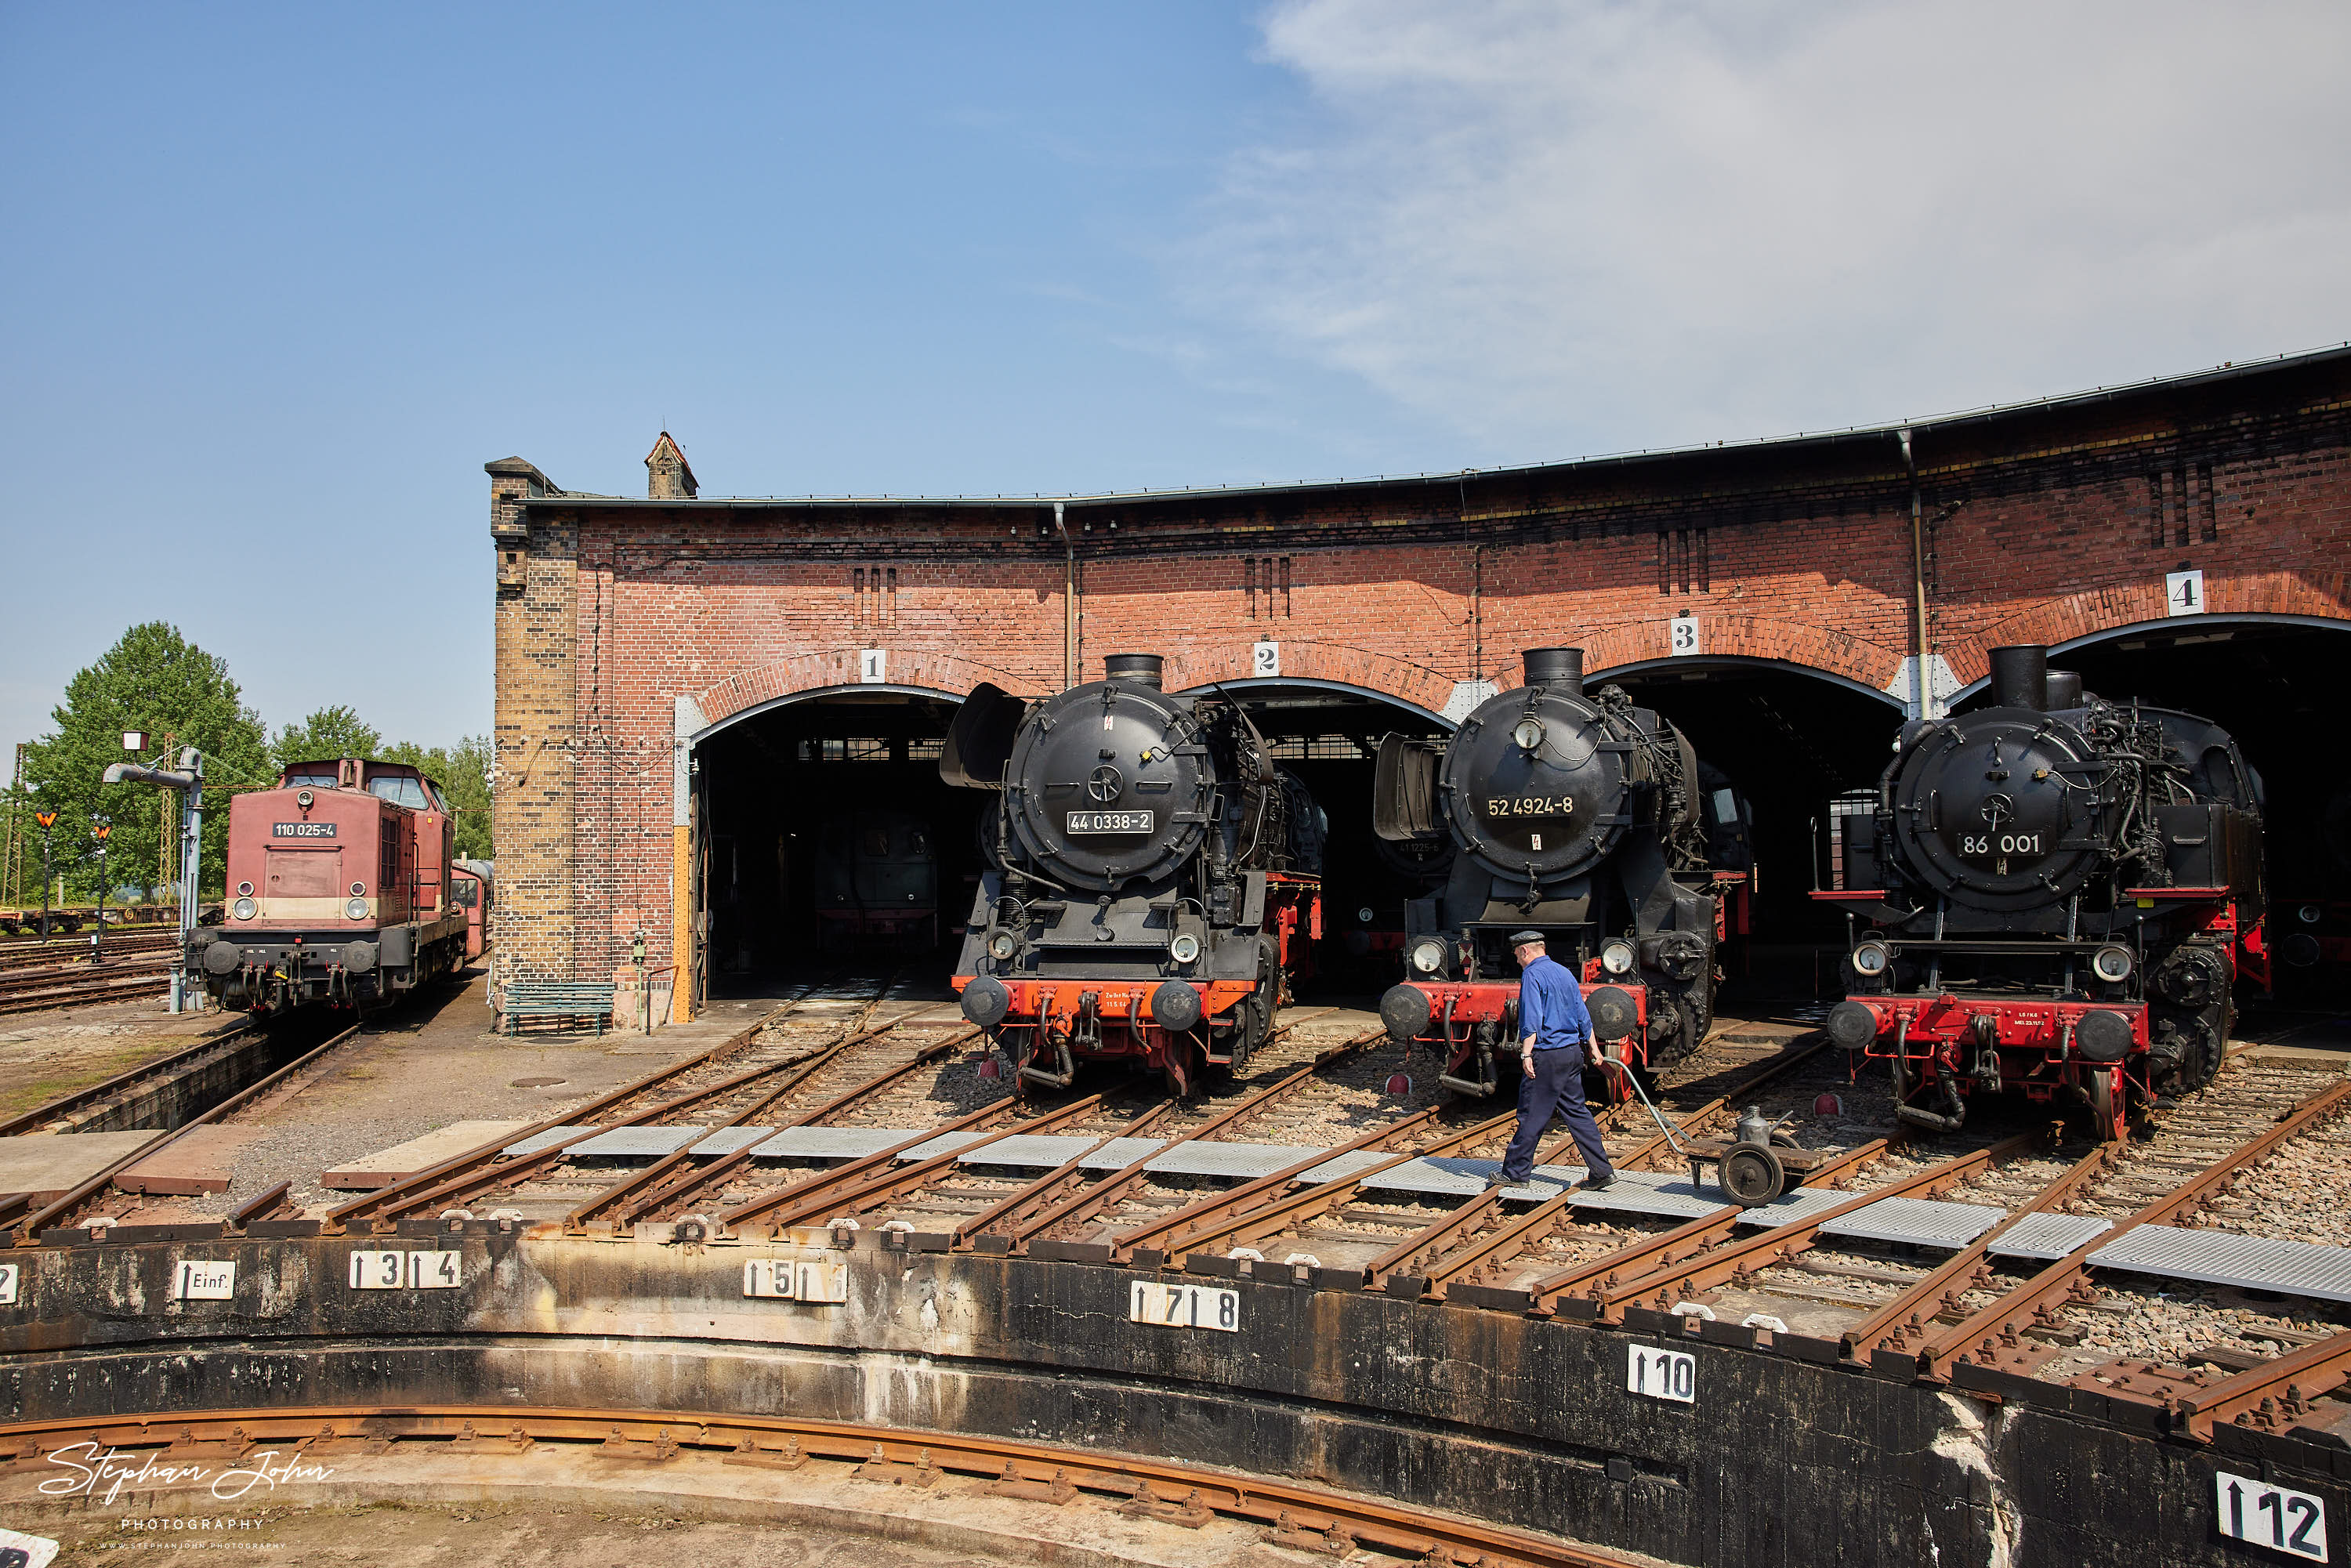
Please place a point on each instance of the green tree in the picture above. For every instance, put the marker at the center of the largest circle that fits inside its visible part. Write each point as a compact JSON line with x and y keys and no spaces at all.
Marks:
{"x":155,"y":680}
{"x":463,"y":771}
{"x":329,"y":735}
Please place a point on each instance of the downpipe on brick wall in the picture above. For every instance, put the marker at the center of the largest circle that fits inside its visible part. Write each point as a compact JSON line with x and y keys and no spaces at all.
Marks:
{"x":1069,"y":601}
{"x":1923,"y":679}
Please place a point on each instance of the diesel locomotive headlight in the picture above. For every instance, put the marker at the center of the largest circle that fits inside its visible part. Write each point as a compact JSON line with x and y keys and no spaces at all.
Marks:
{"x":1185,"y":948}
{"x":1528,"y":733}
{"x":1428,"y":956}
{"x":2309,"y":913}
{"x":303,"y":798}
{"x":1003,"y":944}
{"x":1871,"y":958}
{"x":356,"y":909}
{"x":1616,"y":956}
{"x":358,"y":889}
{"x":2111,"y":963}
{"x":243,"y":908}
{"x":244,"y":890}
{"x":1364,"y":914}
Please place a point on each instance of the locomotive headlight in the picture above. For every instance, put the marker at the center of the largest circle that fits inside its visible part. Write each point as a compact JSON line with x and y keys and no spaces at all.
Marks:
{"x":244,"y":890}
{"x":1364,"y":914}
{"x":2111,"y":963}
{"x":1871,"y":958}
{"x":1528,"y":732}
{"x":2309,"y":913}
{"x":1616,"y":956}
{"x":1003,"y":944}
{"x":1185,"y":948}
{"x":356,"y":909}
{"x":1428,"y":956}
{"x":243,"y":908}
{"x":303,"y":798}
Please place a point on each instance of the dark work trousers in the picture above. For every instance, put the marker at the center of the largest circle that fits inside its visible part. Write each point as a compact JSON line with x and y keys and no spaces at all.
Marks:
{"x":1557,"y":1086}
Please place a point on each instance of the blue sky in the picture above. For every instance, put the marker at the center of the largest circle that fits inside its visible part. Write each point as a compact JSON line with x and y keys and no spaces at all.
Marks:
{"x":280,"y":280}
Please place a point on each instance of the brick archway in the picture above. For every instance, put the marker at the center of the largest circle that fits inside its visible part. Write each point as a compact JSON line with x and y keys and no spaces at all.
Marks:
{"x":942,"y":673}
{"x":2303,"y":595}
{"x":1377,"y":674}
{"x":1799,"y":644}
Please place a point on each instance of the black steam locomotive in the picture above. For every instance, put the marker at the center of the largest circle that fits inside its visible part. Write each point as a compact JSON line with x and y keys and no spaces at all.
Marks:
{"x":1153,"y":877}
{"x":1583,"y":817}
{"x":2059,"y":893}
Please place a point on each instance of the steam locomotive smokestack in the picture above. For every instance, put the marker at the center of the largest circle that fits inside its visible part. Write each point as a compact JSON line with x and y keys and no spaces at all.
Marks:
{"x":2019,"y":677}
{"x":1140,"y":669}
{"x":1558,"y":668}
{"x":2065,"y":690}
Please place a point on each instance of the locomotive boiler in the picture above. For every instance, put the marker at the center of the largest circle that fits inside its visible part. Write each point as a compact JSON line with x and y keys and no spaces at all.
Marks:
{"x":1153,"y":878}
{"x":1586,"y":817}
{"x":2054,"y":894}
{"x":342,"y":891}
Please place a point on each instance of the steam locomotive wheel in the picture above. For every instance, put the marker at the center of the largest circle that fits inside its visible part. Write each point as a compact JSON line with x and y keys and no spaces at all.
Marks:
{"x":2104,"y":1090}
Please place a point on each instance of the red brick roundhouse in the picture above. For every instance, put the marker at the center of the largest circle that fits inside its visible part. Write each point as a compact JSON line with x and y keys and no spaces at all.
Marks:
{"x":692,"y":691}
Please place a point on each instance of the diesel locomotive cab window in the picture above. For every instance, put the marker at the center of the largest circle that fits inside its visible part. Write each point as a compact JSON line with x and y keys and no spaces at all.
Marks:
{"x":309,"y":781}
{"x":399,"y":791}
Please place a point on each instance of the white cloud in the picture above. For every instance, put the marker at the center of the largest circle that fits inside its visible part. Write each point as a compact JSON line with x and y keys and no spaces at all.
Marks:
{"x":1576,"y":226}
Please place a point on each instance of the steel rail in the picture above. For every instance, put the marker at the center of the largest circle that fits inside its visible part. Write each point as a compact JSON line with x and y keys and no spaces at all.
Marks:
{"x":1659,"y":1249}
{"x":861,"y":1185}
{"x":1718,"y":1264}
{"x":2268,"y":1396}
{"x":641,"y":1192}
{"x":47,"y":1218}
{"x":1174,"y":1232}
{"x":1327,"y":1521}
{"x":807,"y":1196}
{"x":66,"y":1104}
{"x":714,"y":1175}
{"x":411,"y":1192}
{"x":2041,"y":1297}
{"x":264,"y":1205}
{"x":1009,"y":1206}
{"x":1086,"y":1202}
{"x":1902,"y":1320}
{"x":1261,"y":1224}
{"x":483,"y":1172}
{"x":1512,"y":1237}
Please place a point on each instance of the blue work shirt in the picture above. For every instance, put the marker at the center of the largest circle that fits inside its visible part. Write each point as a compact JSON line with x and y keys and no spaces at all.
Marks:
{"x":1551,"y":1005}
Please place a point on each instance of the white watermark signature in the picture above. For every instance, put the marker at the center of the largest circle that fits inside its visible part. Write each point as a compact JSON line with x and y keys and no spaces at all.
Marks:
{"x":103,"y":1473}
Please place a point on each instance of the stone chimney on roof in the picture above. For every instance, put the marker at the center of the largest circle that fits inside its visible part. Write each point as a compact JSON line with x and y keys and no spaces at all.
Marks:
{"x":667,"y":475}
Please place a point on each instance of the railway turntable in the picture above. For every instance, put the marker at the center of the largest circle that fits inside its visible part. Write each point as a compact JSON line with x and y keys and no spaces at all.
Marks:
{"x":817,"y":1247}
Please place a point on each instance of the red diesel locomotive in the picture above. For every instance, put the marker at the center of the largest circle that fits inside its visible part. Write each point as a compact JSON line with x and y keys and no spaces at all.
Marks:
{"x":342,"y":891}
{"x":2058,"y":894}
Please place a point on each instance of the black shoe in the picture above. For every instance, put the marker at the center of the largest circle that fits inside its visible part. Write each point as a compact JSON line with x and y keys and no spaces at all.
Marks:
{"x":1499,"y":1179}
{"x":1598,"y":1183}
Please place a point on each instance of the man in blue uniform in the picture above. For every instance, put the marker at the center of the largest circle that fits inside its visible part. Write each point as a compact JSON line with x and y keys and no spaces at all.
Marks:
{"x":1553,"y":1027}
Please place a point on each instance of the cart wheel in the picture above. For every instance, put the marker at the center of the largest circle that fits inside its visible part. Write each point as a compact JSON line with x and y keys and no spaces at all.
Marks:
{"x":1789,"y":1179}
{"x":1750,"y":1174}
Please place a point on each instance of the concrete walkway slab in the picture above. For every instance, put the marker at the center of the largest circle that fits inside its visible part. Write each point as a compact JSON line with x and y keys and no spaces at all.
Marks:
{"x":50,"y":1165}
{"x":401,"y":1160}
{"x":202,"y":1159}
